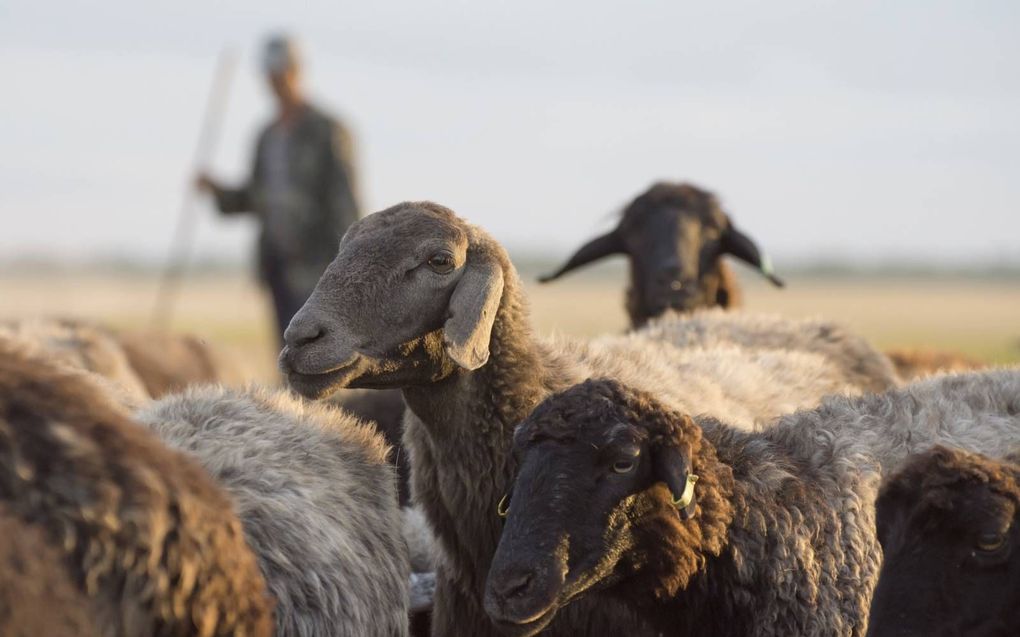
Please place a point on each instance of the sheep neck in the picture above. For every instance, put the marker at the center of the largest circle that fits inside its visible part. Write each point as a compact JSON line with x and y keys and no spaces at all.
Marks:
{"x":769,"y":507}
{"x":468,"y":420}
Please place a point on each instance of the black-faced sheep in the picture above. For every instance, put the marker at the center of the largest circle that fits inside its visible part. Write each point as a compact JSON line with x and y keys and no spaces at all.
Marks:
{"x":317,"y":499}
{"x":711,"y":530}
{"x":421,"y":300}
{"x":675,"y":236}
{"x":949,"y":524}
{"x":144,"y":533}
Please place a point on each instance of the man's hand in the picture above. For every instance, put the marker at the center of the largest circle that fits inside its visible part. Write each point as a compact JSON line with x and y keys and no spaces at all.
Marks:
{"x":205,"y":183}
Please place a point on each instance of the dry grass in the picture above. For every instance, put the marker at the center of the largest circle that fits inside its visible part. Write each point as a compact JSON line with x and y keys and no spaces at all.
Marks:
{"x":981,"y":319}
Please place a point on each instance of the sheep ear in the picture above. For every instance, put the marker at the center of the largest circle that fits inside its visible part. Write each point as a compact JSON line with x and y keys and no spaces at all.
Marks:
{"x":672,"y":466}
{"x":744,"y":248}
{"x":472,"y":311}
{"x":598,"y":248}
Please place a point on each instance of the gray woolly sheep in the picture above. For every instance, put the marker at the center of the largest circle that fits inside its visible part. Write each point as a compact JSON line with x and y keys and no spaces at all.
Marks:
{"x":949,"y":524}
{"x":384,"y":407}
{"x":856,"y":359}
{"x":421,"y":300}
{"x":675,"y":236}
{"x":712,"y":530}
{"x":317,"y":499}
{"x":144,"y":534}
{"x":82,"y":346}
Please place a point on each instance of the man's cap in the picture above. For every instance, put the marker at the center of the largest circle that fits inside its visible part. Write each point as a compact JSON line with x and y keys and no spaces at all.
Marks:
{"x":280,"y":54}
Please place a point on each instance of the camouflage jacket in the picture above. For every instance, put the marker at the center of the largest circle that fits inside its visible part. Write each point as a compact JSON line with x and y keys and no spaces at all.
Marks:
{"x":320,"y":203}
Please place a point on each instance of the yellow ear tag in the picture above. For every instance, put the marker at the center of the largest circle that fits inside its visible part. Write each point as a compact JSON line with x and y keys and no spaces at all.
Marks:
{"x":687,"y":496}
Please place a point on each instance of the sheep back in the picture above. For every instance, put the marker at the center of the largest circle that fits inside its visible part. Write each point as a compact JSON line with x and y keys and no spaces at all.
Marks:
{"x":143,"y":531}
{"x":37,"y":595}
{"x":862,"y":364}
{"x":316,"y":497}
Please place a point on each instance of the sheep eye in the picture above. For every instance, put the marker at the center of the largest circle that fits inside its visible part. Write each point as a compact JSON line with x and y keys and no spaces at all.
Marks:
{"x":623,"y":466}
{"x":441,"y":262}
{"x":990,"y":542}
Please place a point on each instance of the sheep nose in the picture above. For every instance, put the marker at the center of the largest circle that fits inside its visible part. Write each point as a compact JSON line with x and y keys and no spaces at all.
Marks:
{"x":303,"y":330}
{"x":513,"y":585}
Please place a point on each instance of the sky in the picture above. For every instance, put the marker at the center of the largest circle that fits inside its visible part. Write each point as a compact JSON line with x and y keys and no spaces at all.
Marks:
{"x":864,"y":131}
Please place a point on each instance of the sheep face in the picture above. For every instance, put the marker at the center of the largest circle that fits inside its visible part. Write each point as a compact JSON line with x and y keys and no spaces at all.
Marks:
{"x":410,"y":297}
{"x":597,"y":483}
{"x":950,"y":531}
{"x":675,"y":236}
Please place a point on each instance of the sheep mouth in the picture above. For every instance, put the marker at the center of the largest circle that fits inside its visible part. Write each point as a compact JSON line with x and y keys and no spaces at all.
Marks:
{"x":316,"y":385}
{"x":531,"y":626}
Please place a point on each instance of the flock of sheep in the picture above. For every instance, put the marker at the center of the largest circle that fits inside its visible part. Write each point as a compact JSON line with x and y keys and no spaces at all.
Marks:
{"x":710,"y":472}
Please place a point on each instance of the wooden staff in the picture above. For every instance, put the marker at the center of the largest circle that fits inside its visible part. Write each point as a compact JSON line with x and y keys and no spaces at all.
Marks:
{"x":184,"y":233}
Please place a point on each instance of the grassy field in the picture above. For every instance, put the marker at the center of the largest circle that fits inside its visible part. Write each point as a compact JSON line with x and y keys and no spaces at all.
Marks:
{"x":980,"y":318}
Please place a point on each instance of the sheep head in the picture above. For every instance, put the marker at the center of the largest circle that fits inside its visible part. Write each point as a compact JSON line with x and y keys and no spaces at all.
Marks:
{"x":410,"y":298}
{"x":675,"y":236}
{"x":603,"y":498}
{"x":949,"y":525}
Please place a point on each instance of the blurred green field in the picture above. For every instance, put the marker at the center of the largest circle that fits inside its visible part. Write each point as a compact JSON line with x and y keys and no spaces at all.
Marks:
{"x":976,"y":317}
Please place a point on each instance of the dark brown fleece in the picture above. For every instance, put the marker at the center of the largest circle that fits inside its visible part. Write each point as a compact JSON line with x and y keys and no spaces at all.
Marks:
{"x":773,"y":547}
{"x":949,"y":523}
{"x":37,"y":596}
{"x":144,"y":533}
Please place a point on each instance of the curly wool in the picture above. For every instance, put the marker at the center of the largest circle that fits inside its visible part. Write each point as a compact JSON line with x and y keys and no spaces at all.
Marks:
{"x":37,"y":595}
{"x":859,"y":362}
{"x":146,"y":536}
{"x":317,"y":499}
{"x":79,"y":345}
{"x":458,"y":433}
{"x":783,"y":541}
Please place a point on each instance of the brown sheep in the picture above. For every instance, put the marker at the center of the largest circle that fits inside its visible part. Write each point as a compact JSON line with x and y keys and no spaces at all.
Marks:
{"x":37,"y":596}
{"x":675,"y":236}
{"x":142,"y":530}
{"x":949,"y":524}
{"x":80,"y":345}
{"x":168,"y":363}
{"x":912,"y":364}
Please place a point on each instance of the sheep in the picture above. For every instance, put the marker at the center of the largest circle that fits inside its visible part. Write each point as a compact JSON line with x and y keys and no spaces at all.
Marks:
{"x":168,"y":363}
{"x":83,"y":346}
{"x":949,"y":525}
{"x":856,"y":359}
{"x":710,"y":529}
{"x":419,"y":299}
{"x":143,"y":532}
{"x":384,"y":407}
{"x":912,"y":364}
{"x":675,"y":236}
{"x":315,"y":495}
{"x":37,"y":596}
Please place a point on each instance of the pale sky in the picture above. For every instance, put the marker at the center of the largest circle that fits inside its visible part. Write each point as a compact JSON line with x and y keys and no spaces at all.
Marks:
{"x":864,"y":130}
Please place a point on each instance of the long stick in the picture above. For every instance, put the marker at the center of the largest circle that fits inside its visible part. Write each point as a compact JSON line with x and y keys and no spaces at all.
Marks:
{"x":184,"y":234}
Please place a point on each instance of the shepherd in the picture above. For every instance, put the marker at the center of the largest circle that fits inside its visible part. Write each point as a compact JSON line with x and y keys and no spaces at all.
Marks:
{"x":301,"y":187}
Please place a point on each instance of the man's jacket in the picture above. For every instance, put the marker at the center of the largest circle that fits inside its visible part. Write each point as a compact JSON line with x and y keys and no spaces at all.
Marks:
{"x":320,"y":203}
